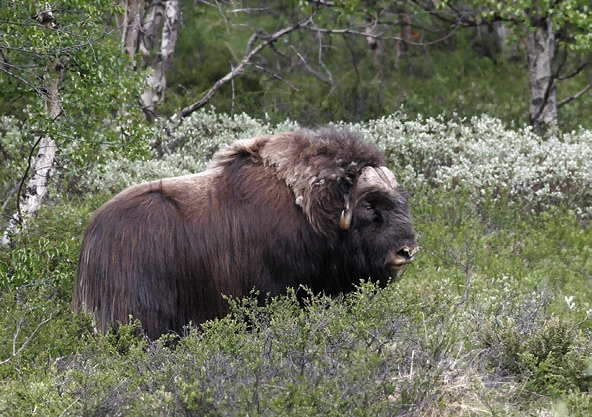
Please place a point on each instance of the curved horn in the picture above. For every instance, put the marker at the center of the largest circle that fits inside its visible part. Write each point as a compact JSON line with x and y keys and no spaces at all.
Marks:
{"x":371,"y":177}
{"x":380,"y":177}
{"x":346,"y":215}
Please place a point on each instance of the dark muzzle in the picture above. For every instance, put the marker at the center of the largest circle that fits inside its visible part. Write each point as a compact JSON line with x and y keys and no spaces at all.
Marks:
{"x":401,"y":257}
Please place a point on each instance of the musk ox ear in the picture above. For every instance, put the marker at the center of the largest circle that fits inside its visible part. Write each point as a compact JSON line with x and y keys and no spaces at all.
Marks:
{"x":347,"y":191}
{"x":324,"y":200}
{"x":321,"y":168}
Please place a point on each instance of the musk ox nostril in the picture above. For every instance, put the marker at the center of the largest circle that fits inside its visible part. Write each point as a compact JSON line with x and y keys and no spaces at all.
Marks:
{"x":404,"y":253}
{"x":408,"y":252}
{"x":402,"y":256}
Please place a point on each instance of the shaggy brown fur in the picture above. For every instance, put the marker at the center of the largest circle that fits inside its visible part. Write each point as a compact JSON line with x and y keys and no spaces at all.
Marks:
{"x":265,"y":215}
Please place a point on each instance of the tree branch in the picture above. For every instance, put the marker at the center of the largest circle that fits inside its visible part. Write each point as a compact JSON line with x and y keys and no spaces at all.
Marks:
{"x":15,"y":351}
{"x":576,"y":71}
{"x":276,"y":76}
{"x":311,"y":70}
{"x":239,"y":68}
{"x":10,"y":195}
{"x":349,"y":31}
{"x":326,"y":3}
{"x":575,"y":96}
{"x":33,"y":87}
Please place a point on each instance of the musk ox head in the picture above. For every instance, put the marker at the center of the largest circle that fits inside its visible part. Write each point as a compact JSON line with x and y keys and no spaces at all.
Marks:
{"x":348,"y":195}
{"x":377,"y":223}
{"x":315,"y":208}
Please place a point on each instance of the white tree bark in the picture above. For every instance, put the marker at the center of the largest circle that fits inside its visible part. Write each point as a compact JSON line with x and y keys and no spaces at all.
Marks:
{"x":36,"y":189}
{"x":151,"y":28}
{"x":43,"y":166}
{"x":130,"y":25}
{"x":540,"y":48}
{"x":166,"y":18}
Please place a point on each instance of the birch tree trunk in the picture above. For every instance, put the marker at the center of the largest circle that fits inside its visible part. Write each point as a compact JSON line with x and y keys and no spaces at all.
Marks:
{"x":130,"y":24}
{"x":151,"y":28}
{"x":540,"y":48}
{"x":43,"y":166}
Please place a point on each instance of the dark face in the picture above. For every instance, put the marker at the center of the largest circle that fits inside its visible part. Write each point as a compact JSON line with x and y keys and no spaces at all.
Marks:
{"x":383,"y":233}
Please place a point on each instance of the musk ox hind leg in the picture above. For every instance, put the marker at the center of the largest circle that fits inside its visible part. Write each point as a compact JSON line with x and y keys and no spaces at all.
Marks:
{"x":130,"y":264}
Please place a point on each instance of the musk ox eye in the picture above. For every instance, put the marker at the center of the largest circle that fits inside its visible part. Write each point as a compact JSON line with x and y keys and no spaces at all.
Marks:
{"x":370,"y":213}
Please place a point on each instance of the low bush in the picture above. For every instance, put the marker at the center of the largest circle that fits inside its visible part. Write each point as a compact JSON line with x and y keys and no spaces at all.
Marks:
{"x":373,"y":352}
{"x":484,"y":157}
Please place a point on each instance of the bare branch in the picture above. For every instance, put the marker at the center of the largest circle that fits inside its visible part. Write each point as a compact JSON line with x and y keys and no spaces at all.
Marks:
{"x":251,"y":42}
{"x":280,"y":53}
{"x":233,"y":92}
{"x":15,"y":351}
{"x":575,"y":96}
{"x":321,"y":63}
{"x":326,"y":3}
{"x":239,"y":68}
{"x":276,"y":76}
{"x":33,"y":87}
{"x":464,"y":18}
{"x":410,"y":20}
{"x":575,"y":72}
{"x":10,"y":196}
{"x":310,"y":69}
{"x":349,"y":31}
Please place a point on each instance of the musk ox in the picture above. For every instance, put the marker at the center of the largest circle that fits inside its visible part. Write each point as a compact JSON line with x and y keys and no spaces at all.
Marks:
{"x":314,"y":208}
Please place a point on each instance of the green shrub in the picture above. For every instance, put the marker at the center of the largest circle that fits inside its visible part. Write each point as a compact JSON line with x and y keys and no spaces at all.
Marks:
{"x":552,"y":357}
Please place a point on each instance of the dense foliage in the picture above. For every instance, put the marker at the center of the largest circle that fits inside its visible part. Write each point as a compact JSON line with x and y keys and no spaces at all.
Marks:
{"x":494,"y":317}
{"x":96,"y":94}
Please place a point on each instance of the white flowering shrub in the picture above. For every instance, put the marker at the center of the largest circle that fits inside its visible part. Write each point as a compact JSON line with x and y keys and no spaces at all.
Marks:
{"x":183,"y":148}
{"x":484,"y":157}
{"x":480,"y":155}
{"x":205,"y":131}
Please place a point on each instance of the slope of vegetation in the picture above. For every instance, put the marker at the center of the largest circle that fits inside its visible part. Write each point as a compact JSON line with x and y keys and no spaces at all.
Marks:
{"x":494,"y":317}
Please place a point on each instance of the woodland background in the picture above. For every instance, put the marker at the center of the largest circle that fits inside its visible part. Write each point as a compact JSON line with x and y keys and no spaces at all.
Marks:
{"x":483,"y":109}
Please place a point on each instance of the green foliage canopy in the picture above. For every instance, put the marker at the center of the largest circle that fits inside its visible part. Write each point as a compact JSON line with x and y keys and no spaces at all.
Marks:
{"x":571,"y":18}
{"x":97,"y":91}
